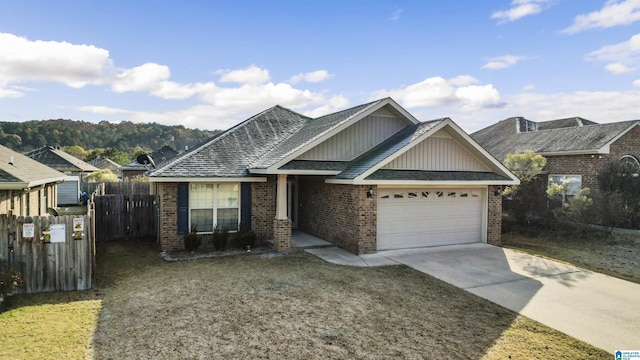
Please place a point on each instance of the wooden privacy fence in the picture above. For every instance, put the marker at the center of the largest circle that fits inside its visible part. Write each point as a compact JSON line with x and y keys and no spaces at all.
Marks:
{"x":49,"y":266}
{"x":120,"y":216}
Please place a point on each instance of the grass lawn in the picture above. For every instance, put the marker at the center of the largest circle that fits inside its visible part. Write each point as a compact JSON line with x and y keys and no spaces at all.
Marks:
{"x":616,"y":255}
{"x":269,"y":306}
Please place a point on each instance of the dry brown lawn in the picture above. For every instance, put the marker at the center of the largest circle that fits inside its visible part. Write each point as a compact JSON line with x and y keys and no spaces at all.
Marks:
{"x":298,"y":307}
{"x":616,"y":255}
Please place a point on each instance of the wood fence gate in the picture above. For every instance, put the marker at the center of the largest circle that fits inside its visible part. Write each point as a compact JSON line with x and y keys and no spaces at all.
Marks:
{"x":56,"y":255}
{"x":120,"y":216}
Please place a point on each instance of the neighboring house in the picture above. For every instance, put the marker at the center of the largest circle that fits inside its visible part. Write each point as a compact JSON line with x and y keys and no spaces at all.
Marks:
{"x":74,"y":168}
{"x":576,"y":149}
{"x":135,"y":169}
{"x":27,"y":188}
{"x":367,"y":178}
{"x":105,"y":163}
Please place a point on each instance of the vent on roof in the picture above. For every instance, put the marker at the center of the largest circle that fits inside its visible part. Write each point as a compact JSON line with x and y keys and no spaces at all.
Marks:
{"x":525,"y":125}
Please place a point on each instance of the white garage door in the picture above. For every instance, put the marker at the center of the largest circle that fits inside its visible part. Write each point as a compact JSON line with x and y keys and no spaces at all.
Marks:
{"x":428,"y":217}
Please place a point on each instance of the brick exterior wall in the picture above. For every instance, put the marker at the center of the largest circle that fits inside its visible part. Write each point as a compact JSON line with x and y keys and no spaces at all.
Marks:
{"x":494,"y":216}
{"x":263,"y":208}
{"x":340,"y":214}
{"x":263,"y":212}
{"x":589,"y":166}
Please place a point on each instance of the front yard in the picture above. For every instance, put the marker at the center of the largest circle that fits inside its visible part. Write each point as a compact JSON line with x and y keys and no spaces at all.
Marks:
{"x":269,"y":306}
{"x":617,"y":255}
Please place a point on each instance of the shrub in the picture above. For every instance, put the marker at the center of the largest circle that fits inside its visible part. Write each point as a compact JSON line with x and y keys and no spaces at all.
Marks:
{"x":9,"y":281}
{"x":244,"y":238}
{"x":220,"y":238}
{"x":192,"y":240}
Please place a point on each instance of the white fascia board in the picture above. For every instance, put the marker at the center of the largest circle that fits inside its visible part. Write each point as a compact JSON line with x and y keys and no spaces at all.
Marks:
{"x":406,"y":148}
{"x":46,"y":181}
{"x":295,"y":172}
{"x":13,"y":185}
{"x":206,"y":179}
{"x":449,"y":183}
{"x":357,"y":117}
{"x":602,"y":150}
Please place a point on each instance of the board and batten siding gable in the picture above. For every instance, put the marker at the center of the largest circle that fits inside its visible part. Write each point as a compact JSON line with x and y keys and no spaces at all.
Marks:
{"x":356,"y":139}
{"x":438,"y":152}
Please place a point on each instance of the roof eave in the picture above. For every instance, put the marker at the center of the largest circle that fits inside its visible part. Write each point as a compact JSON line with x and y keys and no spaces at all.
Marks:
{"x":424,"y":182}
{"x":176,"y":179}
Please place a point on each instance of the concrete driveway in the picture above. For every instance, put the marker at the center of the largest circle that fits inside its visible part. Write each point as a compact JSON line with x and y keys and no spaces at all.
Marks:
{"x":598,"y":309}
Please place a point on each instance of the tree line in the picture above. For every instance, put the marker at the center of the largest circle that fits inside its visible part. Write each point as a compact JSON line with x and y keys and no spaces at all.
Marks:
{"x":121,"y":141}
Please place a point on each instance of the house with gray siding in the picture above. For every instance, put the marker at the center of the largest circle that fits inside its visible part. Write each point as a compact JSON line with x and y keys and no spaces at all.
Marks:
{"x":368,"y":178}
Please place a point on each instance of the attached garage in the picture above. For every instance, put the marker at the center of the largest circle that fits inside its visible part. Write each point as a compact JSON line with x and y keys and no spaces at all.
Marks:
{"x":420,"y":217}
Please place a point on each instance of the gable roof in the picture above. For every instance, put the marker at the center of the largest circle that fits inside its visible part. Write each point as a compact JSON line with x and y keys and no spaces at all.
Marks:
{"x":104,"y":163}
{"x":19,"y":172}
{"x":317,"y":130}
{"x":558,"y":137}
{"x":272,"y":141}
{"x":230,"y":153}
{"x":57,"y":159}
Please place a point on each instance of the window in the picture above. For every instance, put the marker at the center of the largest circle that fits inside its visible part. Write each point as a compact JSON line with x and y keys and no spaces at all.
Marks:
{"x":630,"y":160}
{"x":572,"y":184}
{"x":214,"y":205}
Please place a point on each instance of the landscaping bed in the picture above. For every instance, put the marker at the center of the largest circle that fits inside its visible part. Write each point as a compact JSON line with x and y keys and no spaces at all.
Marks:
{"x":272,"y":306}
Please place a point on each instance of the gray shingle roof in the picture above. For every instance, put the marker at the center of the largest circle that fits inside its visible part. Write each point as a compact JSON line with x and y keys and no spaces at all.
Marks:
{"x":60,"y":160}
{"x":24,"y":172}
{"x":312,"y":129}
{"x":315,"y":165}
{"x":230,"y":153}
{"x":386,"y":149}
{"x":554,"y":137}
{"x":390,"y":174}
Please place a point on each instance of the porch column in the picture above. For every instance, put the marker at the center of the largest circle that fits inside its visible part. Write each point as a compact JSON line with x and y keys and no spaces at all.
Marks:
{"x":281,"y":224}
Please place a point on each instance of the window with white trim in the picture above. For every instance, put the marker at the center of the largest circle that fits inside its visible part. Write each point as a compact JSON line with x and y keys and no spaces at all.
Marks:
{"x":630,"y":160}
{"x":214,"y":205}
{"x":572,"y":185}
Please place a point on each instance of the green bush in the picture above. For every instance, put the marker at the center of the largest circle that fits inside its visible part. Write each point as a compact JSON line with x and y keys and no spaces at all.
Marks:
{"x":220,"y":238}
{"x":244,"y":238}
{"x":9,"y":281}
{"x":192,"y":240}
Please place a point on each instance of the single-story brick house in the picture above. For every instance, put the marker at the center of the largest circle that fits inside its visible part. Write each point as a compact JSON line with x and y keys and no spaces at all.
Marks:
{"x":368,"y":178}
{"x":27,"y":187}
{"x":576,"y":149}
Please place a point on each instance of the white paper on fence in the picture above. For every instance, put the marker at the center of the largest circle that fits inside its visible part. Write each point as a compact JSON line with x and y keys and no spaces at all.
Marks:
{"x":58,"y":233}
{"x":28,"y":230}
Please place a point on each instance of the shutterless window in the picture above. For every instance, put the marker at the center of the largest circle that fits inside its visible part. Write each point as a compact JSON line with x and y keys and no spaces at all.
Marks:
{"x":572,"y":183}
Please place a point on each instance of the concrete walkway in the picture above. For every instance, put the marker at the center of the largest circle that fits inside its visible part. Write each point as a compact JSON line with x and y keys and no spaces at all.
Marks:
{"x":595,"y":308}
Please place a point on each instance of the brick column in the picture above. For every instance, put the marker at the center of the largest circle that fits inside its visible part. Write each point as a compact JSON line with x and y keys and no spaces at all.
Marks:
{"x":494,"y":216}
{"x":282,"y":235}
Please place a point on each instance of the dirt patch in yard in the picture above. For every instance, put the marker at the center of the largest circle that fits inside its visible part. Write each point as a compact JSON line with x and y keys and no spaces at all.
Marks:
{"x":297,"y":306}
{"x":615,"y":254}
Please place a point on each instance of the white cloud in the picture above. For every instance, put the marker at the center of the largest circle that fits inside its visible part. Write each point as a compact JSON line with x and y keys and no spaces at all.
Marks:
{"x":23,"y":60}
{"x":618,"y":68}
{"x":636,"y":83}
{"x":439,"y":92}
{"x":104,"y":110}
{"x":312,"y":77}
{"x":250,"y":75}
{"x":395,"y":15}
{"x":529,"y":87}
{"x":502,"y":62}
{"x":520,"y":9}
{"x":613,"y":13}
{"x":335,"y":103}
{"x":621,"y":57}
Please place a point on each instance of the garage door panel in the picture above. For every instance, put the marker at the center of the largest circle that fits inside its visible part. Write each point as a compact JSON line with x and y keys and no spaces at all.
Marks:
{"x":427,"y":217}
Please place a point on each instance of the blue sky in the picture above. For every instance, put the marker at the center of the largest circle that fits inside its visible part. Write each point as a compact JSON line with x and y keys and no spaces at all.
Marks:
{"x":212,"y":64}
